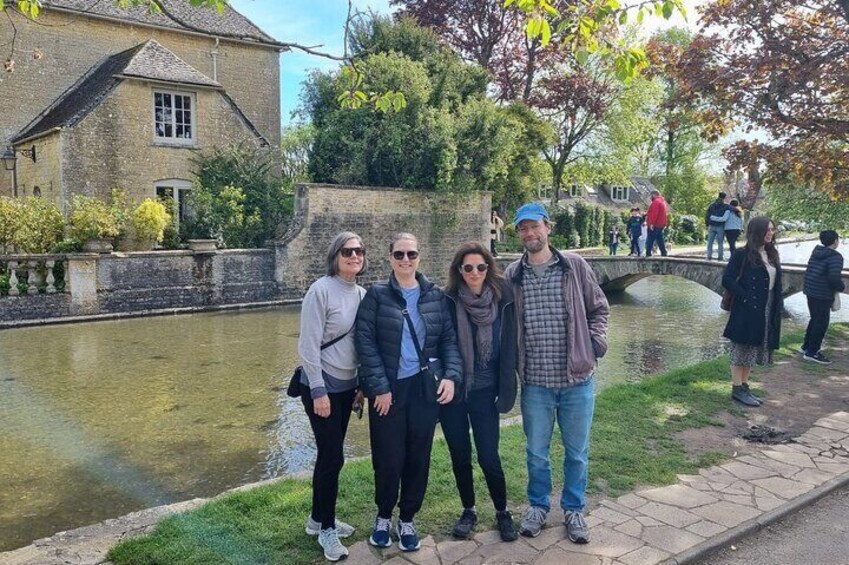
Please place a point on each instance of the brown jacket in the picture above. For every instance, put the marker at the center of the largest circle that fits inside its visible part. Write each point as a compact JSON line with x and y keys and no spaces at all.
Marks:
{"x":588,"y":308}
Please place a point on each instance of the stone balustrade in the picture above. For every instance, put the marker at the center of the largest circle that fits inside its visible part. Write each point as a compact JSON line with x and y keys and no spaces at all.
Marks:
{"x":34,"y":274}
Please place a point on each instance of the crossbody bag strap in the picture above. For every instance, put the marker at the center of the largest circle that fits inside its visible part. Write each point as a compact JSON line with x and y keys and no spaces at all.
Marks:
{"x":406,"y":314}
{"x":337,"y":338}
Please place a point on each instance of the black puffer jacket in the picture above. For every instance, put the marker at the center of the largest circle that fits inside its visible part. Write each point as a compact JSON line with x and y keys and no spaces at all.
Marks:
{"x":508,"y":347}
{"x":822,"y":277}
{"x":379,"y":328}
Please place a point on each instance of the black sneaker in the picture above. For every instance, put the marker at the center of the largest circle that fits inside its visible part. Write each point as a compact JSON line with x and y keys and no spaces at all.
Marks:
{"x":818,"y":358}
{"x":746,"y":386}
{"x":743,"y":396}
{"x":506,"y":527}
{"x":465,"y":524}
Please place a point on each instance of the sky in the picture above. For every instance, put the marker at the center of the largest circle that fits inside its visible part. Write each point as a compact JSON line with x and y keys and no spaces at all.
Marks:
{"x":320,"y":24}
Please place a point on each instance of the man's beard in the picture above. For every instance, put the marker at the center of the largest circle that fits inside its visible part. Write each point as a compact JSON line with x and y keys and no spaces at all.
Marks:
{"x":534,"y":246}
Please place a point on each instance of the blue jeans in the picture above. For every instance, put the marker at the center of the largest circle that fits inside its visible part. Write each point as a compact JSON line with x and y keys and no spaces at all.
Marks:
{"x":655,"y":235}
{"x":715,"y":233}
{"x":573,"y":408}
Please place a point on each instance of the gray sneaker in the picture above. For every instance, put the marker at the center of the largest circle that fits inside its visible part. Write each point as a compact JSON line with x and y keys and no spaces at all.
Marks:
{"x":743,"y":396}
{"x":328,"y":539}
{"x":533,"y":521}
{"x":576,"y":527}
{"x":343,"y":530}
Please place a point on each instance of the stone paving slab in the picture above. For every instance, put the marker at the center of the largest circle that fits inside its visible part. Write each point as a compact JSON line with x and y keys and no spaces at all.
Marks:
{"x":673,"y":524}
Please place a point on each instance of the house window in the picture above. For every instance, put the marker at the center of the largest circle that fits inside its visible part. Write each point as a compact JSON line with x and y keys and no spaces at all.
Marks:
{"x":174,"y":117}
{"x":619,"y":193}
{"x":575,"y":191}
{"x":177,"y":190}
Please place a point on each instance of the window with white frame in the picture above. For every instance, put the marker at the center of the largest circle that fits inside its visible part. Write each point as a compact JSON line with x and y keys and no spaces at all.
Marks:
{"x":575,"y":191}
{"x":177,"y":190}
{"x":619,"y":193}
{"x":174,"y":117}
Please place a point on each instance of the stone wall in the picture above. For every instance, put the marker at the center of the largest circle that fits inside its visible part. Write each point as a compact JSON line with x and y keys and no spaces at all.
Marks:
{"x":440,"y":223}
{"x":167,"y":281}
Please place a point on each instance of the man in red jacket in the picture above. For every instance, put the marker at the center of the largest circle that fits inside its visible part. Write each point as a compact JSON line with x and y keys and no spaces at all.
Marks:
{"x":657,"y":219}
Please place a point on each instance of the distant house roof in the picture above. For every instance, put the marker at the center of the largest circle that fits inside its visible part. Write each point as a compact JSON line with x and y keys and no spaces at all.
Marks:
{"x":175,"y":14}
{"x":149,"y":60}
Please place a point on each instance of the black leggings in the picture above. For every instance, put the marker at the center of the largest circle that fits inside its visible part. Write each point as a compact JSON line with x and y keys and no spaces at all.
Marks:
{"x":329,"y":437}
{"x":478,"y":412}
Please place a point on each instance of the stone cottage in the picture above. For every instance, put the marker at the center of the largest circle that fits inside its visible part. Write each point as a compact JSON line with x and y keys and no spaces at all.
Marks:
{"x":123,"y":98}
{"x":618,"y":198}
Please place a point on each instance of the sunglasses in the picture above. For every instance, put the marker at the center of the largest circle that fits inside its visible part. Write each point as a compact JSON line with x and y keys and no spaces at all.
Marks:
{"x":399,"y":255}
{"x":348,"y":251}
{"x":467,"y":268}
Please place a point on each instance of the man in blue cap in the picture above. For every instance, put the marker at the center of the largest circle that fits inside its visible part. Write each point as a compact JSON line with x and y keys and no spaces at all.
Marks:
{"x":561,"y":313}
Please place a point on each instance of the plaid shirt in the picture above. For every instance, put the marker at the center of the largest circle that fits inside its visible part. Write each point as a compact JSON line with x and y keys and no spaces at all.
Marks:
{"x":545,"y":320}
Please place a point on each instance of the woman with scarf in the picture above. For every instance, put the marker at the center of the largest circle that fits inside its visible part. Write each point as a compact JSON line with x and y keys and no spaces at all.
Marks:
{"x":486,"y":334}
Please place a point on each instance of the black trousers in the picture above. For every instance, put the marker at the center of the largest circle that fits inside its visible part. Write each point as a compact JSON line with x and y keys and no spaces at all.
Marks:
{"x":478,"y":412}
{"x":820,"y":316}
{"x":401,"y":443}
{"x":329,"y":438}
{"x":731,"y":236}
{"x":635,"y":244}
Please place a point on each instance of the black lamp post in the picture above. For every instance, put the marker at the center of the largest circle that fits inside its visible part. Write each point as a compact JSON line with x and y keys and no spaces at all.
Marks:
{"x":10,"y":163}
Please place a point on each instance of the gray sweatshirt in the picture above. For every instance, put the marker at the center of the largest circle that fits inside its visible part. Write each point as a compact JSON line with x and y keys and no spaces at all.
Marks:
{"x":329,"y":310}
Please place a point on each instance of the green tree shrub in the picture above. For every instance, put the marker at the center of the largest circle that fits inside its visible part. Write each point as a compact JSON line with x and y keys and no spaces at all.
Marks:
{"x":92,"y":218}
{"x":10,"y":219}
{"x":583,"y":219}
{"x":149,"y":221}
{"x":238,"y":179}
{"x":41,"y":226}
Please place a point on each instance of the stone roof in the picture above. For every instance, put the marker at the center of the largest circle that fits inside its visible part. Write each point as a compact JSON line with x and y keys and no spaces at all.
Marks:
{"x":176,"y":14}
{"x":155,"y":62}
{"x":149,"y":60}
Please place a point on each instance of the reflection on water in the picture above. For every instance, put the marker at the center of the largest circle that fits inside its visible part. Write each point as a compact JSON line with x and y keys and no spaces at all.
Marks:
{"x":104,"y":418}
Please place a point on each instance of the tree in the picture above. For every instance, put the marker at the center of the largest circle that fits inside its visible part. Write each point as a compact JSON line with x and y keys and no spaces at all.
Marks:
{"x":295,"y":143}
{"x":449,"y":136}
{"x":777,"y":67}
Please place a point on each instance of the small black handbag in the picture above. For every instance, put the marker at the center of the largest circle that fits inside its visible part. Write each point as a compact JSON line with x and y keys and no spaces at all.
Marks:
{"x":294,"y":388}
{"x":431,"y":369}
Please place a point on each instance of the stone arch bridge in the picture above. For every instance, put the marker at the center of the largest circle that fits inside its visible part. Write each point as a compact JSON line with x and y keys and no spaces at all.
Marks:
{"x":615,"y":274}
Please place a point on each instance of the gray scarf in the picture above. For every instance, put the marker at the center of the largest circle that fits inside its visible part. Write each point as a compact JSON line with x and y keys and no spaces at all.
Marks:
{"x":481,"y":311}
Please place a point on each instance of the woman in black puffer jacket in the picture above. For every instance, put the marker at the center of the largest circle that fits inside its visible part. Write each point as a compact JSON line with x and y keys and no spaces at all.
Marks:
{"x":402,"y":418}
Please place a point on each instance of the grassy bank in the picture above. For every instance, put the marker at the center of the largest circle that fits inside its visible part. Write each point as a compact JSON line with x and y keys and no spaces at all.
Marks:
{"x":634,"y":443}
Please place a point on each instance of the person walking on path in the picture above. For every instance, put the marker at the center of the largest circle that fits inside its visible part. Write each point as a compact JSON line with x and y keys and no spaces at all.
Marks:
{"x":822,"y":281}
{"x":486,"y":334}
{"x":657,"y":218}
{"x":496,"y":225}
{"x":329,"y":380}
{"x":753,"y":276}
{"x":613,"y":239}
{"x":404,"y":327}
{"x":716,"y":226}
{"x":561,"y":315}
{"x":634,"y":227}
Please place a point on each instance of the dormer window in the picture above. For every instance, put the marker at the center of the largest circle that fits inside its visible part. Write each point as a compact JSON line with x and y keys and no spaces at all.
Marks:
{"x":575,"y":191}
{"x":619,"y":193}
{"x":174,"y":117}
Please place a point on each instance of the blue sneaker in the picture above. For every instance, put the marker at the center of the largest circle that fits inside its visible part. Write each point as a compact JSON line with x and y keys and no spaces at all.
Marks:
{"x":408,"y":539}
{"x":380,"y":534}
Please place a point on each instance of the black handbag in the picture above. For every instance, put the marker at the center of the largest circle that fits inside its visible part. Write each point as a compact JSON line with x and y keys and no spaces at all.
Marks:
{"x":294,"y":388}
{"x":431,"y":369}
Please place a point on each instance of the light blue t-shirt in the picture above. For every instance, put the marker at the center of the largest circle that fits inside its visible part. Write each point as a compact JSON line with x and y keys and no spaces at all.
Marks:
{"x":409,"y":365}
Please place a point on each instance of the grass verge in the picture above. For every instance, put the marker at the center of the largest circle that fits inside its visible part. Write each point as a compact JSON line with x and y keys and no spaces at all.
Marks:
{"x":634,"y":443}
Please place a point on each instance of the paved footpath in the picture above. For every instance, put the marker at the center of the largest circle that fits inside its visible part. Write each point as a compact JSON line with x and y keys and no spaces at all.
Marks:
{"x":675,"y":524}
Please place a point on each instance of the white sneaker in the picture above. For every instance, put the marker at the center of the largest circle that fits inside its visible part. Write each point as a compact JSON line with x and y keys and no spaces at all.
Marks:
{"x":343,"y":530}
{"x":328,"y":539}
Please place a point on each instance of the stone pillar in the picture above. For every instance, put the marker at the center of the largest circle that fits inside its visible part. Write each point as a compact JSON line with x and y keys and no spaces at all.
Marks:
{"x":82,"y":278}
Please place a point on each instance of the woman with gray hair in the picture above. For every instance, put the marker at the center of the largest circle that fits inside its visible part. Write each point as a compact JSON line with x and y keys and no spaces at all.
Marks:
{"x":329,"y":380}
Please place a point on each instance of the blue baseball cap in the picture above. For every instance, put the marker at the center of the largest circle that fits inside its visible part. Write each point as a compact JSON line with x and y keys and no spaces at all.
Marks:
{"x":530,"y":211}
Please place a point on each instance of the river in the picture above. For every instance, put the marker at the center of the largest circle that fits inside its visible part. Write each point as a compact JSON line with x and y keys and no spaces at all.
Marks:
{"x":104,"y":418}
